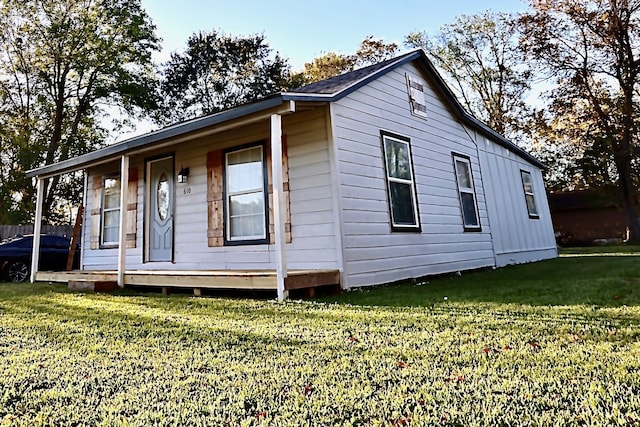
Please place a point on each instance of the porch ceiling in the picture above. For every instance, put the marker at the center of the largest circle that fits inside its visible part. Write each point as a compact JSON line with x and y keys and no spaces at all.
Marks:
{"x":175,"y":134}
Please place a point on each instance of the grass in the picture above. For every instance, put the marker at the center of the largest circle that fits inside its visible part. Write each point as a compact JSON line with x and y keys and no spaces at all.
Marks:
{"x":551,"y":343}
{"x":621,"y":249}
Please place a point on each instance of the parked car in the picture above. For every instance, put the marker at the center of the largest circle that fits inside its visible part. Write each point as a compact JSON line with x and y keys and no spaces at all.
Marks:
{"x":15,"y":256}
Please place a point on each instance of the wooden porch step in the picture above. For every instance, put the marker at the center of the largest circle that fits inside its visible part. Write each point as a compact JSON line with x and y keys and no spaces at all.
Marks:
{"x":311,"y":279}
{"x":92,"y":285}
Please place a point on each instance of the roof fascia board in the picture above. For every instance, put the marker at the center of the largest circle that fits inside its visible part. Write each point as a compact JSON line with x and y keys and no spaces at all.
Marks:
{"x":150,"y":140}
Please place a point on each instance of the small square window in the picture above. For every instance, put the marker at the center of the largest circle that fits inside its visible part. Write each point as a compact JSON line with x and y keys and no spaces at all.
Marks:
{"x":529,"y":194}
{"x":466,"y":193}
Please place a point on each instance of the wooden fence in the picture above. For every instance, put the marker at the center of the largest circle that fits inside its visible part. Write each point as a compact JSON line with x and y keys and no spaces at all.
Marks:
{"x":7,"y":231}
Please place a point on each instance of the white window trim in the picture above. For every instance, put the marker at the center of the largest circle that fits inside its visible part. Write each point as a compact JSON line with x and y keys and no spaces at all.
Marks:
{"x":401,"y":227}
{"x":105,"y":210}
{"x":466,"y":190}
{"x":532,"y":194}
{"x":228,"y":195}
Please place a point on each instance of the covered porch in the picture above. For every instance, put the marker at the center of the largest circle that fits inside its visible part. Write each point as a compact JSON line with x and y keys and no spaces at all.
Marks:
{"x":279,"y":278}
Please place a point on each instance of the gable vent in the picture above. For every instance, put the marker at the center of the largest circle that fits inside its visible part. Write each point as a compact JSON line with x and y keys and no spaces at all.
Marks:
{"x":416,"y":97}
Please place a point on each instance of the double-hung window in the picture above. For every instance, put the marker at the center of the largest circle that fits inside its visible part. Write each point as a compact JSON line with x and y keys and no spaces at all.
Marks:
{"x":245,"y":189}
{"x":401,"y":189}
{"x":529,"y":194}
{"x":466,"y":193}
{"x":110,"y":234}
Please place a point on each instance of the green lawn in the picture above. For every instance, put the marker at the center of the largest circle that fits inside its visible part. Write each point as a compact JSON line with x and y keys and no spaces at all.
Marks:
{"x":552,"y":343}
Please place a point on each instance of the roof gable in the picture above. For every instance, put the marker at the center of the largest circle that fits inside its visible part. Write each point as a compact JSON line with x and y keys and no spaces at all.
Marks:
{"x":353,"y":79}
{"x":340,"y":86}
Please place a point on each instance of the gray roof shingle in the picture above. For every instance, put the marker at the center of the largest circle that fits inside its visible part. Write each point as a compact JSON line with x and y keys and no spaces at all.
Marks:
{"x":344,"y":81}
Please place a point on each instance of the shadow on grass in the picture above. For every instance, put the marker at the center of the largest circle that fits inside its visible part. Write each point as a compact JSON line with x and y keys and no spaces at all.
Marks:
{"x":605,"y":281}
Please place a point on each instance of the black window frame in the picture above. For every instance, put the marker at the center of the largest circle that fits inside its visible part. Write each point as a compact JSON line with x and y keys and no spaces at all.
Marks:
{"x":467,"y":161}
{"x":398,"y":227}
{"x":228,"y":240}
{"x":532,"y":194}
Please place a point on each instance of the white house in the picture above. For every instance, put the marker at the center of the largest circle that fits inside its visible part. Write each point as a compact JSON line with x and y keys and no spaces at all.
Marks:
{"x":373,"y":176}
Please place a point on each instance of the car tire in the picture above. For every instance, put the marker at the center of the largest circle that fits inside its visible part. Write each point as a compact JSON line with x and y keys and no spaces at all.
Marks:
{"x":17,"y":271}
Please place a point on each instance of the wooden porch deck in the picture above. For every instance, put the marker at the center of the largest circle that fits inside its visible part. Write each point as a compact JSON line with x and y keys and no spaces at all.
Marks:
{"x":207,"y":279}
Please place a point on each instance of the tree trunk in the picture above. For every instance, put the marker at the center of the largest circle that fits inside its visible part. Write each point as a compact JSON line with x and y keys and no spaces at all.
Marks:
{"x":629,"y":202}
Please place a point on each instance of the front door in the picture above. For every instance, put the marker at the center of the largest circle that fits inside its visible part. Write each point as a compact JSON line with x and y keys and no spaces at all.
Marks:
{"x":160,"y":213}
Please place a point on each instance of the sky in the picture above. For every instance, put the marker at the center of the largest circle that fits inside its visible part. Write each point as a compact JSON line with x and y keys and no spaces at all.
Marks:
{"x":302,"y":30}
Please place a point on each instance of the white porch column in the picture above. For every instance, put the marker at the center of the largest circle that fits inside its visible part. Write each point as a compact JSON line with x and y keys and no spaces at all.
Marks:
{"x":37,"y":228}
{"x":122,"y":240}
{"x":278,"y":206}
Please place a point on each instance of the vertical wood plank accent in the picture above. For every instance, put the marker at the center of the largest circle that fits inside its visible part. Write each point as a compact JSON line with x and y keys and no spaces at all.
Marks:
{"x":285,"y":193}
{"x":74,"y":238}
{"x":132,"y":208}
{"x":215,"y":226}
{"x":96,"y":205}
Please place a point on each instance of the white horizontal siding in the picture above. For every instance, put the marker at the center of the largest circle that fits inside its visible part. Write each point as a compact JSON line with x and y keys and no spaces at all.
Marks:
{"x":372,"y":252}
{"x":311,"y":195}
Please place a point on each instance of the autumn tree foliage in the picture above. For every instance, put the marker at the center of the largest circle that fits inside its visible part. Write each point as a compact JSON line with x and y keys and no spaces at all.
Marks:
{"x":62,"y":63}
{"x":592,"y":50}
{"x":331,"y":64}
{"x":481,"y":60}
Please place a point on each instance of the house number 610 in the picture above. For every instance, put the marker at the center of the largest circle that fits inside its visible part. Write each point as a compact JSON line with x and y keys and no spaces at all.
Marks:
{"x":186,"y":190}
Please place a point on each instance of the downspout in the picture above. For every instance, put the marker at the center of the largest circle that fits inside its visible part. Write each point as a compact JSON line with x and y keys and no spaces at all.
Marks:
{"x":474,"y":139}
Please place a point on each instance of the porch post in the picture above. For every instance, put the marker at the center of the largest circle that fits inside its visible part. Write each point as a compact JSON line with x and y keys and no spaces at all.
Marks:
{"x":122,"y":240}
{"x":37,"y":228}
{"x":278,"y":207}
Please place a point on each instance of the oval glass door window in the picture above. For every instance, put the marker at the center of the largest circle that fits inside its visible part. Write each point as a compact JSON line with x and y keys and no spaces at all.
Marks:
{"x":163,"y":197}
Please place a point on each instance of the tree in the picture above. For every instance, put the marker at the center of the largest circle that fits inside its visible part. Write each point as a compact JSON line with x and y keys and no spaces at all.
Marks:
{"x":331,"y":64}
{"x":62,"y":63}
{"x":326,"y":66}
{"x":566,"y":141}
{"x":482,"y":63}
{"x":591,"y":49}
{"x":218,"y":71}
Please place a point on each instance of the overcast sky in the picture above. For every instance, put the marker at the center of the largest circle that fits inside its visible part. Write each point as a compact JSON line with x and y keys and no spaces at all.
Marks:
{"x":301,"y":30}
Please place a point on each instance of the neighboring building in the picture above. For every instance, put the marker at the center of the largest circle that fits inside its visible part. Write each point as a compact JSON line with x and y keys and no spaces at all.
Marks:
{"x":381,"y":176}
{"x":584,"y":216}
